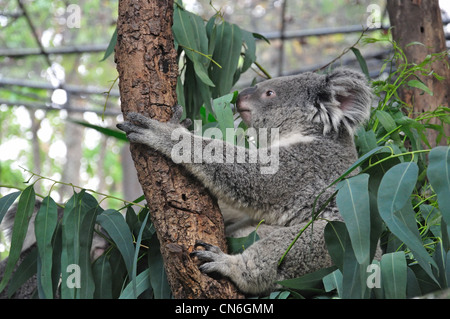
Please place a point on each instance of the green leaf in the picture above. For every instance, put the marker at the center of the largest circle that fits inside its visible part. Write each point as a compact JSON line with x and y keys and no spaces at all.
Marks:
{"x":103,"y":130}
{"x":224,"y":114}
{"x":111,"y":45}
{"x":333,"y":281}
{"x":279,"y":295}
{"x":23,"y":272}
{"x":260,"y":37}
{"x":71,"y":222}
{"x":354,"y":285}
{"x":6,"y":202}
{"x":86,"y":235}
{"x":25,"y":209}
{"x":419,"y":85}
{"x":238,"y":245}
{"x":365,"y":140}
{"x":158,"y":277}
{"x":439,"y":175}
{"x":440,"y":257}
{"x":116,"y":227}
{"x":227,"y":52}
{"x":136,"y":254}
{"x":396,"y":187}
{"x":250,"y":52}
{"x":142,"y":284}
{"x":309,"y":283}
{"x":396,"y":210}
{"x":353,"y":203}
{"x":394,"y":275}
{"x":336,"y":238}
{"x":45,"y":225}
{"x":388,"y":123}
{"x":361,"y":61}
{"x":102,"y":274}
{"x":189,"y":31}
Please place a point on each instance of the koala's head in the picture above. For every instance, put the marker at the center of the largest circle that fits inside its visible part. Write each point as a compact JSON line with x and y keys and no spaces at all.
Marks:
{"x":308,"y":103}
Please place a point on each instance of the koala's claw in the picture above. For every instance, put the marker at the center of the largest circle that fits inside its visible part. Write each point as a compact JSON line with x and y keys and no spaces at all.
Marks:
{"x":212,"y":258}
{"x":211,"y":252}
{"x":177,"y":114}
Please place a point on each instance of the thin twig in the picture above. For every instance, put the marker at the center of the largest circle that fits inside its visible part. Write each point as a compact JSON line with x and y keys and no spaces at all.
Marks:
{"x":343,"y":52}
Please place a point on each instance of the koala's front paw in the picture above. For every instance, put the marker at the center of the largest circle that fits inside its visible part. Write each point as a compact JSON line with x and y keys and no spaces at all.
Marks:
{"x":214,"y":260}
{"x":177,"y":114}
{"x":139,"y":128}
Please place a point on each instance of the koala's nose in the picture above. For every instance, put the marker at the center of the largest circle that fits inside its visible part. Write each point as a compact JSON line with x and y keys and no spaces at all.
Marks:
{"x":245,"y":94}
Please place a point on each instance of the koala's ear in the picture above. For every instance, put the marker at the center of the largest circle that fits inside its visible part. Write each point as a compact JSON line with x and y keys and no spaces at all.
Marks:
{"x":345,"y":100}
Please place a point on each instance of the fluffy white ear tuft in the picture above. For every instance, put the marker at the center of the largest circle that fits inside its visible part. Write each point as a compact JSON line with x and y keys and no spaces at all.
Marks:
{"x":346,"y":101}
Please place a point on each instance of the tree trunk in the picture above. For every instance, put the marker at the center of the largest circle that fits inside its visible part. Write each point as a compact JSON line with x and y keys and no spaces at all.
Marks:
{"x":181,"y":209}
{"x":420,"y":20}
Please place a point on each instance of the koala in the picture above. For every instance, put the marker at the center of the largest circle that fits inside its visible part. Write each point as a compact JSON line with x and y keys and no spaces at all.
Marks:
{"x":27,"y":290}
{"x":315,"y":116}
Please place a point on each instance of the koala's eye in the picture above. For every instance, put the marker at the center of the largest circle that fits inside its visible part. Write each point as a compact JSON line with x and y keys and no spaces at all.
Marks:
{"x":270,"y":93}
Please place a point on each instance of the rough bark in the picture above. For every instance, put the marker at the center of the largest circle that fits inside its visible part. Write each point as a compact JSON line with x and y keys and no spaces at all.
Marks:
{"x":181,"y":208}
{"x":420,"y":20}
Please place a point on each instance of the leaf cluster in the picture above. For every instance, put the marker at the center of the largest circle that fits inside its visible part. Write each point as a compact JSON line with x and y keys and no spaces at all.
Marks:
{"x":212,"y":56}
{"x":63,"y":250}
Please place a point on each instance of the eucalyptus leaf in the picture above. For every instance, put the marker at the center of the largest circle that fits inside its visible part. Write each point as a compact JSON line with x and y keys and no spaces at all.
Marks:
{"x":142,"y":284}
{"x":333,"y":281}
{"x":87,"y":230}
{"x":439,"y":175}
{"x":45,"y":226}
{"x":6,"y":202}
{"x":336,"y":239}
{"x":388,"y":123}
{"x":419,"y":85}
{"x":24,"y":271}
{"x":361,"y":61}
{"x":71,"y":223}
{"x":238,"y":245}
{"x":157,"y":274}
{"x":224,"y":114}
{"x":116,"y":227}
{"x":111,"y":46}
{"x":102,"y":274}
{"x":353,"y":203}
{"x":354,"y":279}
{"x":25,"y":209}
{"x":309,"y":281}
{"x":190,"y":33}
{"x":396,"y":210}
{"x":394,"y":275}
{"x":227,"y":52}
{"x":136,"y":254}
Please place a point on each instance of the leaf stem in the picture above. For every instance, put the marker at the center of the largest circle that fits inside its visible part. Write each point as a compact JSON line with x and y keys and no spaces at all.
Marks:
{"x":73,"y":186}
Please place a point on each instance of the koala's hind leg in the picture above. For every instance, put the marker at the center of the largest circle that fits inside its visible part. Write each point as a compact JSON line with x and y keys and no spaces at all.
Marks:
{"x":256,"y":270}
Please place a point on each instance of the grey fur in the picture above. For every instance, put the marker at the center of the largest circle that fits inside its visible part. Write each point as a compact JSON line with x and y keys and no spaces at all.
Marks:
{"x":316,"y":116}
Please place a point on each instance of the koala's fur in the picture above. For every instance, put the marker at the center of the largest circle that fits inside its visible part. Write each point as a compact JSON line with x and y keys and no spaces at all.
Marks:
{"x":316,"y":116}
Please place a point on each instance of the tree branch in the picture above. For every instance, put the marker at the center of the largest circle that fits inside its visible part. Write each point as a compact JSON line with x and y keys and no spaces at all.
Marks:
{"x":181,"y":209}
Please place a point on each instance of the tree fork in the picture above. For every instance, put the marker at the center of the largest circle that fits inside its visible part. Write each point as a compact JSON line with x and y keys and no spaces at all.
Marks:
{"x":181,"y":209}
